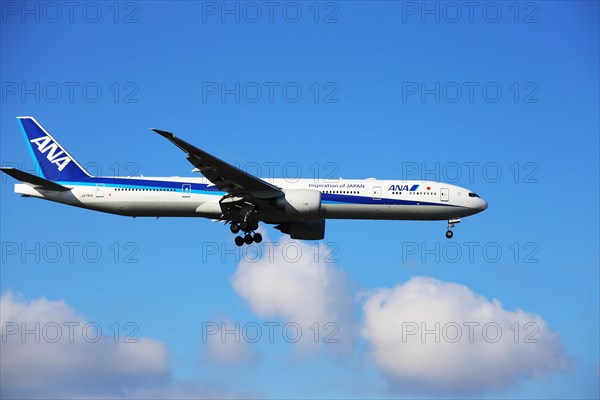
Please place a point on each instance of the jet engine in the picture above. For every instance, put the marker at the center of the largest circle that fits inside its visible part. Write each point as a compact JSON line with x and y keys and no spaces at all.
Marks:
{"x":308,"y":230}
{"x":305,"y":203}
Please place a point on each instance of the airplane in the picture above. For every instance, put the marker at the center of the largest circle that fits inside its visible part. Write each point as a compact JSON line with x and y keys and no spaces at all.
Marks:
{"x":233,"y":196}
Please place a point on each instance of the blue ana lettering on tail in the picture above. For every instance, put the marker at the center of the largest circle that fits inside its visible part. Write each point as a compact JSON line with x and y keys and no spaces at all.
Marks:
{"x":52,"y":161}
{"x":46,"y":144}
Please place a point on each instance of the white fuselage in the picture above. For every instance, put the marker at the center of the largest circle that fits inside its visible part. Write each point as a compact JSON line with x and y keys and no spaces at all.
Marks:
{"x":197,"y":197}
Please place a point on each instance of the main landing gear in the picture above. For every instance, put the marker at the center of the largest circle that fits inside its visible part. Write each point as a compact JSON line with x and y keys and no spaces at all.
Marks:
{"x":248,"y":227}
{"x":451,"y":223}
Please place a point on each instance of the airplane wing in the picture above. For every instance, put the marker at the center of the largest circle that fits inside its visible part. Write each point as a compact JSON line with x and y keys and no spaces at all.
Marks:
{"x":223,"y":175}
{"x":33,"y":180}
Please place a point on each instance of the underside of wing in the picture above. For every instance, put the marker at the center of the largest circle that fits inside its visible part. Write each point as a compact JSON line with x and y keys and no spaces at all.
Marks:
{"x":223,"y":175}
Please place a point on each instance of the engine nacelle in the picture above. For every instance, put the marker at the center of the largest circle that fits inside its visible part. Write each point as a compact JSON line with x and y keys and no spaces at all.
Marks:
{"x":305,"y":203}
{"x":307,"y":230}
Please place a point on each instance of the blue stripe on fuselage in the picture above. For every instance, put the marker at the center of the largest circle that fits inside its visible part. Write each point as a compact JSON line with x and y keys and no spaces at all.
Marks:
{"x":201,"y":188}
{"x":328,"y":198}
{"x":132,"y":183}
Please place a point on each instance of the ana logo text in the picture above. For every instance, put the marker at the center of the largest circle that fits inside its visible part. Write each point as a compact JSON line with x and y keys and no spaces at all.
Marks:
{"x":59,"y":158}
{"x":402,"y":188}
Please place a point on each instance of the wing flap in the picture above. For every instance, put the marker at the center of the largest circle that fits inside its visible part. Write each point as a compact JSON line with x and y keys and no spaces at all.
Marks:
{"x":33,"y":180}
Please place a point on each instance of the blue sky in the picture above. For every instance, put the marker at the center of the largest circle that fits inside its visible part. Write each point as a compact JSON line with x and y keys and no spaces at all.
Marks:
{"x":504,"y":104}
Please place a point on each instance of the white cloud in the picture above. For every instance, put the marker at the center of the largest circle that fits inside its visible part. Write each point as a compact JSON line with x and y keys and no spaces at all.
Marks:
{"x":76,"y":365}
{"x":63,"y":354}
{"x":428,"y":336}
{"x":299,"y":283}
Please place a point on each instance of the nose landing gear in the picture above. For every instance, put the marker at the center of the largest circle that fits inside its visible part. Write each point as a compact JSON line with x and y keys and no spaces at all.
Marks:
{"x":451,"y":223}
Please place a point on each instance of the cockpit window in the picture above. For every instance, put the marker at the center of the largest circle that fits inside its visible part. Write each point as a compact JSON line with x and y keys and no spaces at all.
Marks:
{"x":471,"y":194}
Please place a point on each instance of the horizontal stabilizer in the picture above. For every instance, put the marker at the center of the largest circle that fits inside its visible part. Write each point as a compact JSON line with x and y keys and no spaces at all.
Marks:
{"x":33,"y":180}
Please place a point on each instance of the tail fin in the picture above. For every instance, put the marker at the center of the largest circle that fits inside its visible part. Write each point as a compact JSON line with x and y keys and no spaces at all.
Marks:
{"x":51,"y":160}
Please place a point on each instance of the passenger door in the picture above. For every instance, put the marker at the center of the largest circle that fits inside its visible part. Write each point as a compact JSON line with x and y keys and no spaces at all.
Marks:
{"x":376,"y":192}
{"x":186,"y":190}
{"x":99,"y":190}
{"x":444,"y":194}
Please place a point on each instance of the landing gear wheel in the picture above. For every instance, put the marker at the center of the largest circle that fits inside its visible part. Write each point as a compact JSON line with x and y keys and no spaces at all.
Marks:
{"x":244,"y":226}
{"x":451,"y":224}
{"x":239,"y":241}
{"x":235,"y":228}
{"x":248,"y":239}
{"x":257,"y":238}
{"x":253,"y":225}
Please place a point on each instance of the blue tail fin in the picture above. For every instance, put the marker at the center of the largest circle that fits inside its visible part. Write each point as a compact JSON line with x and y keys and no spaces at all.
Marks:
{"x":51,"y":160}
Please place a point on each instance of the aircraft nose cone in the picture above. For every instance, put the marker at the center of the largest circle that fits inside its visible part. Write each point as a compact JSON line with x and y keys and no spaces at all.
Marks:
{"x":483,"y":205}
